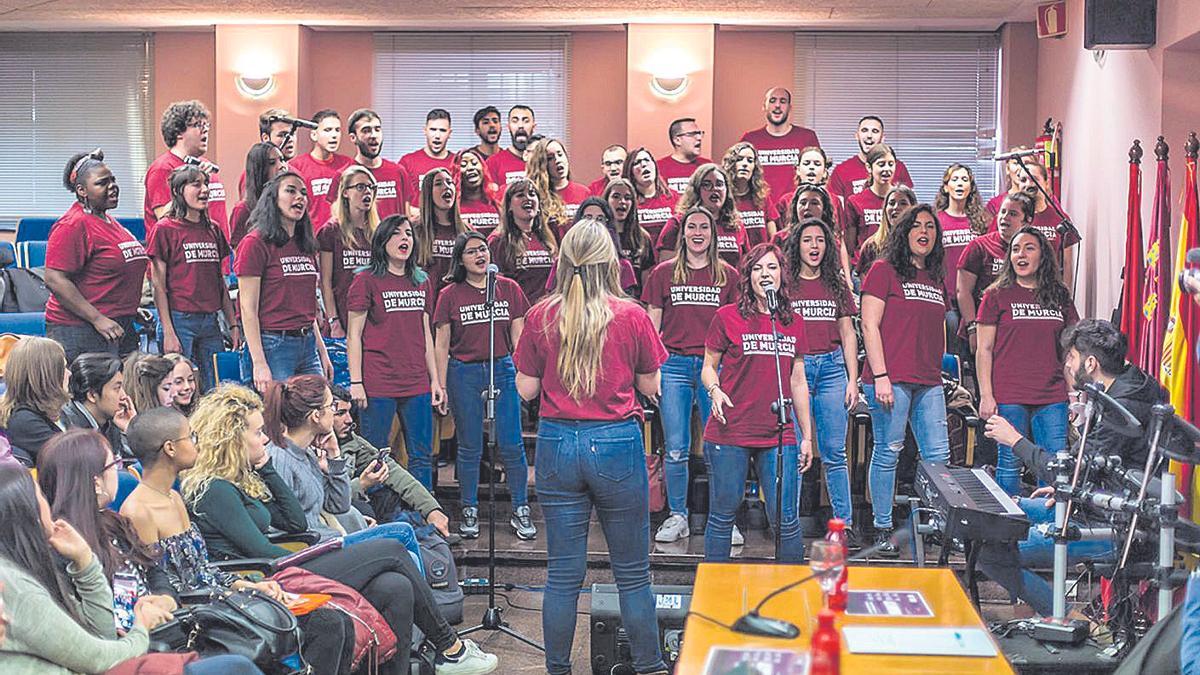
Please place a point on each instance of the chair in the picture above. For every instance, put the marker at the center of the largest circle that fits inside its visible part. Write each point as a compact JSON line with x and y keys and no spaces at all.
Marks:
{"x":34,"y":228}
{"x":227,"y":366}
{"x":136,"y":227}
{"x":31,"y":254}
{"x":8,"y":252}
{"x":23,"y":323}
{"x":951,"y":366}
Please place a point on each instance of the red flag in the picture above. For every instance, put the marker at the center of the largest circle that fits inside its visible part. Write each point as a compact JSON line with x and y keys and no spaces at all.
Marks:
{"x":1156,"y":306}
{"x":1132,"y":292}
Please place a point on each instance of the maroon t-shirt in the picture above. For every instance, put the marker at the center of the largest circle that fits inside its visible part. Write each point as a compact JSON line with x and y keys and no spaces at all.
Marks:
{"x":631,"y":347}
{"x":239,"y":223}
{"x":754,"y":218}
{"x":747,"y":348}
{"x":850,"y":177}
{"x":393,"y":193}
{"x":1027,"y":358}
{"x":994,"y":204}
{"x":654,"y":213}
{"x":531,"y":271}
{"x":572,"y":196}
{"x":192,"y":254}
{"x":506,"y":167}
{"x":346,"y":262}
{"x":104,"y":261}
{"x":1047,"y":222}
{"x":779,"y":155}
{"x":479,"y":215}
{"x":443,"y":253}
{"x":418,"y":163}
{"x":913,"y":326}
{"x":596,"y":187}
{"x":731,"y":240}
{"x":983,"y":257}
{"x":956,"y":234}
{"x":688,"y":307}
{"x":393,"y":337}
{"x":288,"y":292}
{"x":812,"y":300}
{"x":321,"y":179}
{"x":677,"y":173}
{"x":462,"y":306}
{"x":158,"y":191}
{"x":864,"y":211}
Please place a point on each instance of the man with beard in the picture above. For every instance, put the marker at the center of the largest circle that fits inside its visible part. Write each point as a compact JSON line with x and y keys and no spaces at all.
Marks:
{"x":677,"y":167}
{"x":1046,"y":219}
{"x":185,"y":130}
{"x":779,"y":142}
{"x":1094,"y":351}
{"x":487,"y":128}
{"x":612,"y":163}
{"x":322,"y":165}
{"x":393,"y":194}
{"x":434,"y":155}
{"x":271,"y":129}
{"x":850,"y":177}
{"x":508,"y":165}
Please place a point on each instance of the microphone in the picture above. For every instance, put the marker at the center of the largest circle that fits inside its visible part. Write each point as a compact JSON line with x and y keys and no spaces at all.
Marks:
{"x":1005,"y":156}
{"x":294,"y":121}
{"x":196,"y":161}
{"x":492,"y":271}
{"x":754,"y":623}
{"x":772,"y":297}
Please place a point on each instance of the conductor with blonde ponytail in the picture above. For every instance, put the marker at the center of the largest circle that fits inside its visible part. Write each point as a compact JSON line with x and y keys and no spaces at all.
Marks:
{"x":586,"y":350}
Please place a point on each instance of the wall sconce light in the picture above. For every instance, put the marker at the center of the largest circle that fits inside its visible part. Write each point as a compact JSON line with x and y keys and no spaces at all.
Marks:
{"x":669,"y":86}
{"x":254,"y":85}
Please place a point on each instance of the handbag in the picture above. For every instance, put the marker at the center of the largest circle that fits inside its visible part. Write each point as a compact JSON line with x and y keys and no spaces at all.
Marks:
{"x":246,"y":622}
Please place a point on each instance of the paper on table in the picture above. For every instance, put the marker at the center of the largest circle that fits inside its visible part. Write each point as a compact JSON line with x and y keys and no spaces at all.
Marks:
{"x":751,"y":661}
{"x":902,"y":603}
{"x":925,"y":641}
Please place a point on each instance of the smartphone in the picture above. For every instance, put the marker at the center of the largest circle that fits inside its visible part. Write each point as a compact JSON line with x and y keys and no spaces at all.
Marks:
{"x":379,"y":457}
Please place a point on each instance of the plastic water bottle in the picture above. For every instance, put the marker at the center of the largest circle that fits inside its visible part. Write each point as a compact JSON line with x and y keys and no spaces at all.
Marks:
{"x":836,"y":533}
{"x":825,"y":651}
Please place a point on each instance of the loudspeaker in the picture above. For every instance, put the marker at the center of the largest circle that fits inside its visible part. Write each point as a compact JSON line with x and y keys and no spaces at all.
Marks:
{"x":610,"y":643}
{"x":1119,"y":24}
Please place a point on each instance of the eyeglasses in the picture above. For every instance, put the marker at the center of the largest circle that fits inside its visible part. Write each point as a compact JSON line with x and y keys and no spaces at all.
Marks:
{"x":363,"y":188}
{"x":193,"y":437}
{"x":709,"y":185}
{"x":478,"y":250}
{"x":693,"y":134}
{"x":118,"y":461}
{"x":203,"y":125}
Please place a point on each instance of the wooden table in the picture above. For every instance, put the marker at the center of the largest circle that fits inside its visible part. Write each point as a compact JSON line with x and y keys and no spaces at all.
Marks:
{"x":725,"y":591}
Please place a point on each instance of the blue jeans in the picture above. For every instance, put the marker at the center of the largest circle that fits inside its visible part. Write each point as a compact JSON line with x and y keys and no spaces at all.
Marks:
{"x":1045,"y":424}
{"x":923,"y":406}
{"x":416,"y":420}
{"x":827,"y":381}
{"x":1189,"y":643}
{"x":580,"y":465}
{"x":200,"y":337}
{"x":225,"y":664}
{"x":287,"y":355}
{"x":399,"y":531}
{"x":727,"y":468}
{"x":681,"y":389}
{"x":465,"y":385}
{"x":1010,"y":568}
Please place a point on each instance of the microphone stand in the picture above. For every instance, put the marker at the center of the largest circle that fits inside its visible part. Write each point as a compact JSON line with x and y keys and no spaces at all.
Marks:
{"x":1065,"y":226}
{"x":780,"y":407}
{"x":1062,"y":507}
{"x":492,"y":619}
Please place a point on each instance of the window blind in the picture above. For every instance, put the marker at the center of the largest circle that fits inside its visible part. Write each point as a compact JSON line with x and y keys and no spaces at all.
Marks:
{"x":937,"y":94}
{"x":65,"y":93}
{"x":463,"y":72}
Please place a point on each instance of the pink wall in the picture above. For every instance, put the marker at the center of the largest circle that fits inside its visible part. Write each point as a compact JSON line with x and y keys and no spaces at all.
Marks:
{"x":183,"y":69}
{"x":598,"y":99}
{"x":747,"y":64}
{"x":668,"y":50}
{"x":336,"y":69}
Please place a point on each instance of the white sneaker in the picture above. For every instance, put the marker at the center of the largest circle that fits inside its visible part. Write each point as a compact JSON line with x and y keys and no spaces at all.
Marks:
{"x":737,"y":539}
{"x":473,"y":661}
{"x":674,"y":528}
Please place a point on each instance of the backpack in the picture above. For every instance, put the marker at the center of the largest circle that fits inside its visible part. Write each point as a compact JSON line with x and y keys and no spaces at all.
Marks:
{"x":24,"y":290}
{"x":442,"y":575}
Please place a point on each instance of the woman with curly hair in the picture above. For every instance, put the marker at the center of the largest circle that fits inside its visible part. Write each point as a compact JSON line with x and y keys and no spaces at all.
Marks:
{"x":708,"y":187}
{"x":904,"y":307}
{"x":524,"y":246}
{"x":550,"y":170}
{"x":821,"y":296}
{"x":962,"y":215}
{"x":477,"y":192}
{"x":898,"y":200}
{"x":751,"y":194}
{"x":1019,"y":360}
{"x":655,"y":199}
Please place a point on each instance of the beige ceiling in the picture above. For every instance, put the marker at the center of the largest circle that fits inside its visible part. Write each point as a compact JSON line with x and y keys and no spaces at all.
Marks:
{"x":476,"y":14}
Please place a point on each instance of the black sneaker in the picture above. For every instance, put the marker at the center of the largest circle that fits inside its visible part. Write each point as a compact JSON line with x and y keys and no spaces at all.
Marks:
{"x":887,"y":549}
{"x":469,"y":527}
{"x":853,"y":541}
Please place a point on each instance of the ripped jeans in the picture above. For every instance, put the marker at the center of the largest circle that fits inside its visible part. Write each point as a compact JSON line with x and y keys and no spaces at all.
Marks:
{"x":925,"y":407}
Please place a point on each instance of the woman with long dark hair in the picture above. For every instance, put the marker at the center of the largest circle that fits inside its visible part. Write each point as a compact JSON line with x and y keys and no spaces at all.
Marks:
{"x":264,"y":161}
{"x":739,"y":365}
{"x":599,"y":210}
{"x":708,"y":187}
{"x":149,"y":381}
{"x":681,"y":296}
{"x":585,"y":351}
{"x":751,"y":194}
{"x":904,"y":327}
{"x":524,"y":245}
{"x":390,"y":346}
{"x":655,"y":199}
{"x":984,"y":258}
{"x":439,"y":226}
{"x":633,"y":241}
{"x":477,"y":200}
{"x":345,"y":242}
{"x":811,"y":200}
{"x":822,"y":298}
{"x":276,"y":264}
{"x":460,"y":324}
{"x":94,"y":266}
{"x":898,"y":200}
{"x":1019,"y":360}
{"x":35,"y":375}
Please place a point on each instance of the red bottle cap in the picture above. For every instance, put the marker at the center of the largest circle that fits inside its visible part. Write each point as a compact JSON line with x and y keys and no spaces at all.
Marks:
{"x":836,"y":525}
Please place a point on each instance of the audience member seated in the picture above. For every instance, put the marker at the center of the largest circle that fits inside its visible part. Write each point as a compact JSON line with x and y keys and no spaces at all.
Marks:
{"x":183,"y":383}
{"x":31,"y":408}
{"x":1094,"y":351}
{"x":150,"y":381}
{"x":98,"y":399}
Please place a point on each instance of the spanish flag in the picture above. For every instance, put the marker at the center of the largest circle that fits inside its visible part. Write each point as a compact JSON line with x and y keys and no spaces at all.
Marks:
{"x":1178,"y":367}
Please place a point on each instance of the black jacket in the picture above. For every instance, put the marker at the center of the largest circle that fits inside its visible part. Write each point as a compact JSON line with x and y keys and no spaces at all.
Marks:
{"x":75,"y":417}
{"x":28,"y":430}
